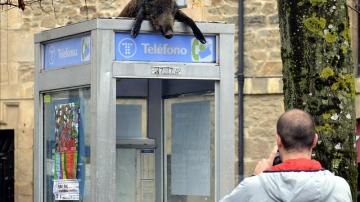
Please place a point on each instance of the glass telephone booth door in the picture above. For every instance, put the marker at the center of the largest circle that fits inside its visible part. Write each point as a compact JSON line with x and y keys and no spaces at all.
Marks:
{"x":165,"y":140}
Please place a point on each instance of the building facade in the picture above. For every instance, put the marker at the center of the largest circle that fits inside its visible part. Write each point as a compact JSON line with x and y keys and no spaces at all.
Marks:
{"x":263,"y":99}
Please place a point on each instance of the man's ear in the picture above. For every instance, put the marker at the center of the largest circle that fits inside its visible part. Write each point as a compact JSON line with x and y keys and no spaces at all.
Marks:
{"x":278,"y":141}
{"x":315,"y":141}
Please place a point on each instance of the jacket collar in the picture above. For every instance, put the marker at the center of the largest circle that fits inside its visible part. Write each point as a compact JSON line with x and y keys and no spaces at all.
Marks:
{"x":300,"y":164}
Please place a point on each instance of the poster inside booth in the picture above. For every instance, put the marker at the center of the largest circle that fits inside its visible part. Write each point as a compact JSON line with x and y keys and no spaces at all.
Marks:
{"x":66,"y":149}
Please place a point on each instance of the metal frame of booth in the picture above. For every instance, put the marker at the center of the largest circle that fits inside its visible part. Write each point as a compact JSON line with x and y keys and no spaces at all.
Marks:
{"x":101,"y":74}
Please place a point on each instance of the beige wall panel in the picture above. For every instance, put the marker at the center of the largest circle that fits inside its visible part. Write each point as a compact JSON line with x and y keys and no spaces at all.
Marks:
{"x":10,"y":91}
{"x":3,"y":20}
{"x":24,"y":188}
{"x":9,"y":74}
{"x":21,"y":46}
{"x":26,"y":118}
{"x":24,"y":138}
{"x":14,"y":19}
{"x":23,"y":198}
{"x":10,"y":115}
{"x":23,"y":165}
{"x":3,"y":45}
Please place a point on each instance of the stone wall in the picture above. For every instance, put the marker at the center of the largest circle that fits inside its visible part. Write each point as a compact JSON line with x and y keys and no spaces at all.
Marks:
{"x":262,"y":39}
{"x":16,"y":97}
{"x":263,"y":101}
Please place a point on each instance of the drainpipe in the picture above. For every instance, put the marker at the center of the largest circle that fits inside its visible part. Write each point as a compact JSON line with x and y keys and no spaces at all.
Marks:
{"x":240,"y":80}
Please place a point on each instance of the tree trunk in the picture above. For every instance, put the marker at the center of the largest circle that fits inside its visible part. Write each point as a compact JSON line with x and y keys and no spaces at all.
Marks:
{"x":318,"y":77}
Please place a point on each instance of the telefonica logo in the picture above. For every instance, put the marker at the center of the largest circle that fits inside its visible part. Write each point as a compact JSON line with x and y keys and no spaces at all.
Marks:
{"x":85,"y":48}
{"x":67,"y":53}
{"x":52,"y":53}
{"x":201,"y":52}
{"x":163,"y":49}
{"x":127,"y":48}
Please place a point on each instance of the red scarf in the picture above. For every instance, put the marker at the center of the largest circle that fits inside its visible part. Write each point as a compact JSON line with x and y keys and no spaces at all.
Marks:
{"x":300,"y":164}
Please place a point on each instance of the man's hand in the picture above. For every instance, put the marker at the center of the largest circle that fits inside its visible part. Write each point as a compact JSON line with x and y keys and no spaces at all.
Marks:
{"x":265,"y":164}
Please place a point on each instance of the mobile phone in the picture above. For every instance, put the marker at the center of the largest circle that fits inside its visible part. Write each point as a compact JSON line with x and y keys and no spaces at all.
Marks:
{"x":277,"y":159}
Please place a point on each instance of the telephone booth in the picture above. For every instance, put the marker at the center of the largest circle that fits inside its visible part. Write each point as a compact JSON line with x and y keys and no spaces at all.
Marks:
{"x":125,"y":119}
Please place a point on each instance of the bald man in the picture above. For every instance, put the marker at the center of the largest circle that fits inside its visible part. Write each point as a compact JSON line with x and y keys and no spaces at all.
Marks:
{"x":298,"y":178}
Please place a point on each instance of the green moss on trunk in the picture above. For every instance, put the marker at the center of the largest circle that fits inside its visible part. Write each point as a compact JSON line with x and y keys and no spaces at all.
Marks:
{"x":318,"y":77}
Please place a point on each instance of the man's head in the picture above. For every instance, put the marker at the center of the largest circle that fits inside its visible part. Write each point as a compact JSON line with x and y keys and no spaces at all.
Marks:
{"x":296,"y":131}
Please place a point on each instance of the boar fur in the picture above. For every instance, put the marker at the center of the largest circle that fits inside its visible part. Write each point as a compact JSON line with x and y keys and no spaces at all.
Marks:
{"x":161,"y":14}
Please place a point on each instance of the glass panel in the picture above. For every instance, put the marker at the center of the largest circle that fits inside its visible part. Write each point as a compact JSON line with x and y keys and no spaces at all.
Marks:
{"x":189,"y":148}
{"x":135,"y":171}
{"x":67,"y":144}
{"x":126,"y":174}
{"x":135,"y":165}
{"x":131,"y":118}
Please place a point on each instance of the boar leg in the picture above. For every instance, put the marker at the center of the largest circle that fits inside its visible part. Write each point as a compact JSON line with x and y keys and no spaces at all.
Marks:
{"x":138,"y":20}
{"x":182,"y":17}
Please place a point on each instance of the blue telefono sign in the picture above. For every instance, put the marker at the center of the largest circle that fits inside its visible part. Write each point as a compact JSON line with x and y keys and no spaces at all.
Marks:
{"x":67,"y":52}
{"x":154,"y":47}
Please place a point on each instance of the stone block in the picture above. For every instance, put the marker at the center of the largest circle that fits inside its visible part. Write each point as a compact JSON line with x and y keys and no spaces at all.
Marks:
{"x":48,"y":22}
{"x":27,"y":12}
{"x":357,"y":104}
{"x":270,"y":43}
{"x":261,"y":114}
{"x":258,"y":55}
{"x":26,"y":90}
{"x":9,"y":75}
{"x":74,"y":2}
{"x":24,"y":139}
{"x":259,"y":148}
{"x":23,"y":188}
{"x":249,"y":167}
{"x":37,"y":11}
{"x":357,"y":85}
{"x":256,"y":20}
{"x":3,"y":76}
{"x":196,"y":13}
{"x":269,"y":32}
{"x":3,"y":46}
{"x":252,"y":8}
{"x":217,"y":2}
{"x":87,"y":9}
{"x":23,"y":198}
{"x":269,"y":8}
{"x":10,"y":91}
{"x":11,"y":115}
{"x":23,"y":165}
{"x":20,"y":46}
{"x":274,"y":19}
{"x":26,"y":119}
{"x":26,"y":72}
{"x":69,"y":11}
{"x":3,"y":20}
{"x":275,"y":54}
{"x":34,"y":25}
{"x":275,"y":86}
{"x":271,"y":68}
{"x":250,"y":34}
{"x":258,"y":85}
{"x":14,"y":19}
{"x":232,"y":20}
